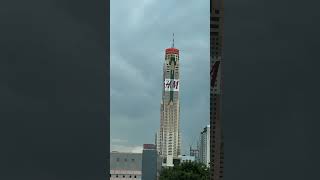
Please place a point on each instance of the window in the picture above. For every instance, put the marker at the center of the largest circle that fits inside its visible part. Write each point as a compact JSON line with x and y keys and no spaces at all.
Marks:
{"x":217,"y":11}
{"x":135,"y":176}
{"x":216,"y":26}
{"x":215,"y":19}
{"x":118,"y":159}
{"x":132,"y":160}
{"x":125,"y":160}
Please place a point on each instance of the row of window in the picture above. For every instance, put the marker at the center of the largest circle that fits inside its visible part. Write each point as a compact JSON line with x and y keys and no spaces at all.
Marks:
{"x":174,"y":56}
{"x":217,"y":19}
{"x":216,"y":11}
{"x":168,"y":66}
{"x":215,"y":26}
{"x":125,"y":160}
{"x":123,"y":176}
{"x":215,"y":34}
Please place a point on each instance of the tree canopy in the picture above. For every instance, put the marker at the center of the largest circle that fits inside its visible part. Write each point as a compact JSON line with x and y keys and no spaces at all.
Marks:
{"x":186,"y":171}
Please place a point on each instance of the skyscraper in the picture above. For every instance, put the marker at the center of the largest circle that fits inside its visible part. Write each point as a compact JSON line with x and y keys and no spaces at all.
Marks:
{"x":204,"y":149}
{"x":216,"y":57}
{"x":169,"y":140}
{"x":195,"y":153}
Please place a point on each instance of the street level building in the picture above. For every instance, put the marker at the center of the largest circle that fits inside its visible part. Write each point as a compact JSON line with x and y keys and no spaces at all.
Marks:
{"x":125,"y":166}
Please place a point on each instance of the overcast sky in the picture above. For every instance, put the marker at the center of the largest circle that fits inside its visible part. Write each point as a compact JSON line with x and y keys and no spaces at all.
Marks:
{"x":140,"y":32}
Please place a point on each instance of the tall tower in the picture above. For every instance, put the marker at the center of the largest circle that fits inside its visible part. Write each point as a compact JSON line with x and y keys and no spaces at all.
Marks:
{"x":169,"y":134}
{"x":216,"y":57}
{"x":204,"y":150}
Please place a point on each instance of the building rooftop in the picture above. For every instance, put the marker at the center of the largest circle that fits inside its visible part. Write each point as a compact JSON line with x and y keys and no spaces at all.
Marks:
{"x":172,"y":51}
{"x":125,"y":161}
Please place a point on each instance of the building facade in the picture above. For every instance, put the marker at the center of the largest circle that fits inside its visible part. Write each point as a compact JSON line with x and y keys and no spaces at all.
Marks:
{"x":185,"y":158}
{"x":195,"y":153}
{"x":204,"y":149}
{"x":125,"y":166}
{"x":169,"y":138}
{"x":151,"y":163}
{"x":216,"y":59}
{"x":157,"y":142}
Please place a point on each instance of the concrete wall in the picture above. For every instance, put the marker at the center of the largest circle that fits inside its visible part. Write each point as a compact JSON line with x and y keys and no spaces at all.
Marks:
{"x":125,"y":166}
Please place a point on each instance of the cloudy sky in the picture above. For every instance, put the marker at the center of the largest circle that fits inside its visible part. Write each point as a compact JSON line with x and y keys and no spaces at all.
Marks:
{"x":140,"y":31}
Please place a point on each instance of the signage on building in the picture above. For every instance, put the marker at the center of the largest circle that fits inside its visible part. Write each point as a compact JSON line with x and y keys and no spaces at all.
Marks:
{"x":149,"y":146}
{"x":171,"y":84}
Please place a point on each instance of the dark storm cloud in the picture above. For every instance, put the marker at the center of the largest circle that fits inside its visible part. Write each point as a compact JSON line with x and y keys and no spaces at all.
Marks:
{"x":140,"y":32}
{"x":53,"y":90}
{"x":270,"y":110}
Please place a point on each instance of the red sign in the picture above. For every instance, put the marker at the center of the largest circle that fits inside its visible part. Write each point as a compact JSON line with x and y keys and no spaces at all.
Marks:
{"x":149,"y":146}
{"x":172,"y":51}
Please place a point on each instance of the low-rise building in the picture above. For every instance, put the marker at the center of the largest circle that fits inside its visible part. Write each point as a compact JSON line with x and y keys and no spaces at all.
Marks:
{"x":151,"y":162}
{"x":185,"y":158}
{"x":125,"y":166}
{"x":195,"y":153}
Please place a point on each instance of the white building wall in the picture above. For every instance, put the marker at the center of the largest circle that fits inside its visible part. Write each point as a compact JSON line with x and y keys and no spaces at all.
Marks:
{"x":170,"y":137}
{"x":204,"y":152}
{"x":185,"y":158}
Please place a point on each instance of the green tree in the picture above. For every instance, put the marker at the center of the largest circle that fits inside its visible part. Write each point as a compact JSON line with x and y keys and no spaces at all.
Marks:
{"x":186,"y":171}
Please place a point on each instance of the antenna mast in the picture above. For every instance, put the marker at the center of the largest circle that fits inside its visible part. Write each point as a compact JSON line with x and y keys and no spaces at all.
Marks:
{"x":173,"y":40}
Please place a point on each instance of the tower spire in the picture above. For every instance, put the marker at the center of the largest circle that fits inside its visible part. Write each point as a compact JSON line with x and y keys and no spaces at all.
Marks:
{"x":173,"y":40}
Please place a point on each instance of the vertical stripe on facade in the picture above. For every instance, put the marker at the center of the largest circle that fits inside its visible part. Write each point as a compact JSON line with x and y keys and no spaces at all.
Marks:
{"x":216,"y":58}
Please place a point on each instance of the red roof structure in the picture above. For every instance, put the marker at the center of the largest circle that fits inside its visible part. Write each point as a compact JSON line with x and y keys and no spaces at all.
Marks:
{"x":172,"y":51}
